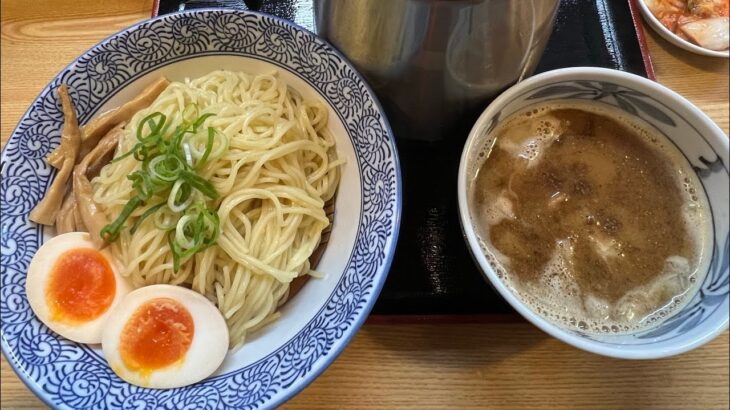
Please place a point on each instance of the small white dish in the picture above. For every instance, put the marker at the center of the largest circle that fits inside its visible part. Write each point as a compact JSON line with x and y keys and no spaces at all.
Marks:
{"x":673,"y":38}
{"x":703,"y":144}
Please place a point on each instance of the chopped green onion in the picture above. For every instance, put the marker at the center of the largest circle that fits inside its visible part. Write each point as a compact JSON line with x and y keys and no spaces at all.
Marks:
{"x":197,"y":230}
{"x":200,"y":121}
{"x":168,"y":170}
{"x":202,"y":185}
{"x":144,"y":216}
{"x":175,"y":250}
{"x":212,"y":224}
{"x":183,"y":227}
{"x":180,"y":196}
{"x":145,"y":186}
{"x":208,"y":148}
{"x":154,"y":127}
{"x":111,"y":232}
{"x":166,"y":167}
{"x":194,"y":232}
{"x":126,"y":154}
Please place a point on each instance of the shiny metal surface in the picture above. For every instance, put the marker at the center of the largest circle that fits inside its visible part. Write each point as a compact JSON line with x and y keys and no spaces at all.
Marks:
{"x":432,"y":272}
{"x":436,"y":63}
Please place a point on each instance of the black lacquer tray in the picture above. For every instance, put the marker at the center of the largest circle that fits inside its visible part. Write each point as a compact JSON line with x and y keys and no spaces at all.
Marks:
{"x":433,"y":272}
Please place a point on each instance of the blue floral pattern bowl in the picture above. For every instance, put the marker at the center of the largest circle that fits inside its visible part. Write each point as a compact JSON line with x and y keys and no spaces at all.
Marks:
{"x":315,"y":325}
{"x":703,"y":144}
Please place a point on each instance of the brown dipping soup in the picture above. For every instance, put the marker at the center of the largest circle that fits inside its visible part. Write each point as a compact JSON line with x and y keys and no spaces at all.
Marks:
{"x":593,"y":219}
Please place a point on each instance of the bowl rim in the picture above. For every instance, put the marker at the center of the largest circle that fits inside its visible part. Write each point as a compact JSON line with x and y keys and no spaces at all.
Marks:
{"x":285,"y":394}
{"x":675,"y":39}
{"x":590,"y":74}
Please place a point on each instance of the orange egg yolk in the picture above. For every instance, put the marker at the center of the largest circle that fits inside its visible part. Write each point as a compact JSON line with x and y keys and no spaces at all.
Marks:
{"x":80,"y":287}
{"x":157,"y":335}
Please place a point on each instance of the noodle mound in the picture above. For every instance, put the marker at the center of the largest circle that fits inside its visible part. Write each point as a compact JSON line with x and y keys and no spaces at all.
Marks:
{"x":273,"y":176}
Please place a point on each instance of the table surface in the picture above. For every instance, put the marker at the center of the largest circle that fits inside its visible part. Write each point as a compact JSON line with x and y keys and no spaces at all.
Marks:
{"x":419,"y":364}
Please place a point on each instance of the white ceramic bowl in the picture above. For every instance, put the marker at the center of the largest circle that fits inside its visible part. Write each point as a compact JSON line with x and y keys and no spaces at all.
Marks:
{"x":673,"y":38}
{"x":315,"y":325}
{"x":704,"y":145}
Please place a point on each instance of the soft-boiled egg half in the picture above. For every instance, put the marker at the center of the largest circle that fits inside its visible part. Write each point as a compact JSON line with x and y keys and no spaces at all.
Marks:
{"x":72,"y":286}
{"x":164,"y":336}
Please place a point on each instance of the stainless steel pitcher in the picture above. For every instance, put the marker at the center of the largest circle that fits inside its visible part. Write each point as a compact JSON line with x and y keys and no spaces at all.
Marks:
{"x":436,"y":63}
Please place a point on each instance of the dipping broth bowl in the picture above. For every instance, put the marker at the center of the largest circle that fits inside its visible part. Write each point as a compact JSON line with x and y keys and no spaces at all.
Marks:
{"x":696,"y":136}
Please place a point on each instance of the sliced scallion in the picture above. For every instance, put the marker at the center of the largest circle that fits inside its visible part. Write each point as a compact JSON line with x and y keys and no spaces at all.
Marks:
{"x":167,"y":171}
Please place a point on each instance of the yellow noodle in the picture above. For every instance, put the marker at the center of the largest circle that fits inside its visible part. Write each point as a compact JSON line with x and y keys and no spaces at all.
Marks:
{"x":279,"y":169}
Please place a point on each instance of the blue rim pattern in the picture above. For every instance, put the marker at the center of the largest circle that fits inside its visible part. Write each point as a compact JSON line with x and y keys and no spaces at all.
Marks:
{"x":68,"y":375}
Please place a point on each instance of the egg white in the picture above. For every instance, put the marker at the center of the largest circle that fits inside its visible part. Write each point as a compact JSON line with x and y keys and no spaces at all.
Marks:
{"x":207,"y":350}
{"x":38,"y":274}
